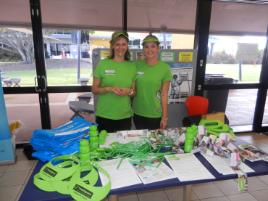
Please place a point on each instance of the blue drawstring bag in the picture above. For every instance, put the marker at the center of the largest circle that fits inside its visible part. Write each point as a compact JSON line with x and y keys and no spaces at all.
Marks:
{"x":49,"y":143}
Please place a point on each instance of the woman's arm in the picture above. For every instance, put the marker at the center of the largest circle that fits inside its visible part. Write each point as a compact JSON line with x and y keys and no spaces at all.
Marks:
{"x":96,"y":89}
{"x":164,"y":104}
{"x":132,"y":90}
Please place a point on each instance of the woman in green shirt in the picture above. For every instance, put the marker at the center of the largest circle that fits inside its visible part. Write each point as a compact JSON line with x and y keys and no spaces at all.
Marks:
{"x":153,"y":77}
{"x":113,"y":83}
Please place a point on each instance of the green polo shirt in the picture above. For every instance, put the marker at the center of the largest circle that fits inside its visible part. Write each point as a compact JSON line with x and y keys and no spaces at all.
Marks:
{"x":114,"y":74}
{"x":149,"y":80}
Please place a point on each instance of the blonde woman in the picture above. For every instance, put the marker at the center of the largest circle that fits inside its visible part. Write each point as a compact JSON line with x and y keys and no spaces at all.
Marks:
{"x":113,"y":82}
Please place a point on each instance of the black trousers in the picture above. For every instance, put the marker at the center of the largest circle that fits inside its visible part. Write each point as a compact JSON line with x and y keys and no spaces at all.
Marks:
{"x":146,"y":123}
{"x":113,"y":125}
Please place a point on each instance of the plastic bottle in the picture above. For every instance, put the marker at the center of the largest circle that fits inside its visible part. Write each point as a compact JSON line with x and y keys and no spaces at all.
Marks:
{"x":102,"y":136}
{"x":84,"y":154}
{"x":191,"y":133}
{"x":93,"y":137}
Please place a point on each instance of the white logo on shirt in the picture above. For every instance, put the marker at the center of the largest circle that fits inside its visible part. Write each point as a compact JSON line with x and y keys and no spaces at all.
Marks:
{"x":109,"y":72}
{"x":140,"y":73}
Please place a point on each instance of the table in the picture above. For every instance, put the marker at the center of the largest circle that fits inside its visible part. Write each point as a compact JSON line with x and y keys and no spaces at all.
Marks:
{"x":9,"y":82}
{"x":32,"y":193}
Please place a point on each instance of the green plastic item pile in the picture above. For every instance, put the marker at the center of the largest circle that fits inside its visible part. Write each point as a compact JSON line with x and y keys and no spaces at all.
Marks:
{"x":214,"y":127}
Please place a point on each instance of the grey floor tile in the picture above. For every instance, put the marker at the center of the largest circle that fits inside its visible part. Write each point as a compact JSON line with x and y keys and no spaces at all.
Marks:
{"x":158,"y":195}
{"x":9,"y":193}
{"x":13,"y":178}
{"x":20,"y":155}
{"x":21,"y":165}
{"x":261,"y":195}
{"x":228,"y":187}
{"x":3,"y":168}
{"x":242,"y":197}
{"x":174,"y":193}
{"x":128,"y":197}
{"x":207,"y":191}
{"x":194,"y":196}
{"x":264,"y":179}
{"x":216,"y":199}
{"x":254,"y":184}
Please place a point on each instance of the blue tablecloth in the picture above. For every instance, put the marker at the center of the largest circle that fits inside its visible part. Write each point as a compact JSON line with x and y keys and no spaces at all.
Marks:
{"x":32,"y":193}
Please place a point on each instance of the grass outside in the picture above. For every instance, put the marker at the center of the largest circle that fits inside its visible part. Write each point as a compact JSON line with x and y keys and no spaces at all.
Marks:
{"x":60,"y":76}
{"x":250,"y":73}
{"x":67,"y":76}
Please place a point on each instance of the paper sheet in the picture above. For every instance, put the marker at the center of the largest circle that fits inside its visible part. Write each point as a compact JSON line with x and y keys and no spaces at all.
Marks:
{"x":155,"y":173}
{"x":188,"y":168}
{"x":222,"y":165}
{"x":125,"y":175}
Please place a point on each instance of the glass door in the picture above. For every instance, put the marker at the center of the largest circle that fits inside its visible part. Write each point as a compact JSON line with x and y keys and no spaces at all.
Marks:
{"x":18,"y":69}
{"x":234,"y":64}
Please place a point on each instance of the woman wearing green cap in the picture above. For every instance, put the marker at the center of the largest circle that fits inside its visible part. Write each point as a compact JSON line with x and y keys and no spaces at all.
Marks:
{"x":152,"y":84}
{"x":113,"y":82}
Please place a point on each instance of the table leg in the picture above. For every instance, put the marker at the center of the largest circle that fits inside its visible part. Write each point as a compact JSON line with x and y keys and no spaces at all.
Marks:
{"x":187,"y":192}
{"x":113,"y":198}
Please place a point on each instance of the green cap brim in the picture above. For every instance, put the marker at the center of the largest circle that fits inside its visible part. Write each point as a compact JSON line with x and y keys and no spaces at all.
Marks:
{"x":150,"y":39}
{"x":119,"y":34}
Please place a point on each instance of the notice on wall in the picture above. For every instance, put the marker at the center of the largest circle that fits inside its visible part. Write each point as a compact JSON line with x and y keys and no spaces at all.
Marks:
{"x":167,"y":56}
{"x":180,"y":85}
{"x":185,"y":57}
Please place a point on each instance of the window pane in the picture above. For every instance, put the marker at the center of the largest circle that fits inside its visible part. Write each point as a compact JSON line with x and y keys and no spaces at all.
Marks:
{"x":61,"y":110}
{"x":241,"y":107}
{"x":265,"y":114}
{"x":17,"y":64}
{"x":167,"y":40}
{"x":236,"y":57}
{"x":24,"y":108}
{"x":68,"y":53}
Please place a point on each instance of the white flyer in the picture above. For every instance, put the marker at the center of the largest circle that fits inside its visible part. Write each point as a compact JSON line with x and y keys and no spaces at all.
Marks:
{"x":188,"y":168}
{"x":154,"y":173}
{"x":222,"y":165}
{"x":121,"y":175}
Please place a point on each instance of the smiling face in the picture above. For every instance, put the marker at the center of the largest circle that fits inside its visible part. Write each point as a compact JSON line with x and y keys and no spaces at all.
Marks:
{"x":151,"y":50}
{"x":120,"y":47}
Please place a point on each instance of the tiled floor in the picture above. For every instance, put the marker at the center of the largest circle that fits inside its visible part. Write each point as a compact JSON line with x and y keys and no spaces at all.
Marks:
{"x":14,"y":177}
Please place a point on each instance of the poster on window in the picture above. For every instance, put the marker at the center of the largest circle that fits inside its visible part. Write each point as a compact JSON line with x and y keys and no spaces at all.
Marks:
{"x":180,"y":85}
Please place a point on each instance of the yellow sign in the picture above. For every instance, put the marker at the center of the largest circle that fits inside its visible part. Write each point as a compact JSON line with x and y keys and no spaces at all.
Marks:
{"x":185,"y":57}
{"x":104,"y":54}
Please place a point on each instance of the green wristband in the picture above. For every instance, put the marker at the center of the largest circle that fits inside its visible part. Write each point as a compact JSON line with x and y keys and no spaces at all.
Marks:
{"x":64,"y":167}
{"x":82,"y":191}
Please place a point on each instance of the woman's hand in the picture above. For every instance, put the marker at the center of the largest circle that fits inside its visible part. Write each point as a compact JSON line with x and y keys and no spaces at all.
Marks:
{"x":163,"y":122}
{"x":122,"y":91}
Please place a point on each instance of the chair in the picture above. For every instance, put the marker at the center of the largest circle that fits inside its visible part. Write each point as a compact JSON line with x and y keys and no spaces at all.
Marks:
{"x":80,"y":107}
{"x":196,"y":105}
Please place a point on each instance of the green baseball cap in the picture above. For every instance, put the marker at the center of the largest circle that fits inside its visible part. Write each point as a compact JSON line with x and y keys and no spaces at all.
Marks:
{"x":150,"y":39}
{"x":118,"y":34}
